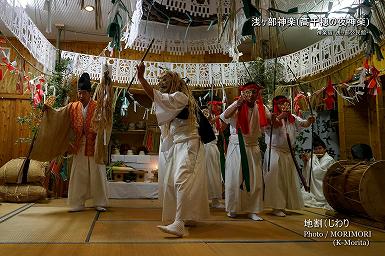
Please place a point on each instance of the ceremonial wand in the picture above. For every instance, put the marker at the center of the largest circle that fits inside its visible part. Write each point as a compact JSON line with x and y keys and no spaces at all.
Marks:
{"x":141,"y":61}
{"x":307,"y":188}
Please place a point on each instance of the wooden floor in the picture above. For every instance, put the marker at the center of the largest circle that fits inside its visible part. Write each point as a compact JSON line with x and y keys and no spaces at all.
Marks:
{"x":129,"y":228}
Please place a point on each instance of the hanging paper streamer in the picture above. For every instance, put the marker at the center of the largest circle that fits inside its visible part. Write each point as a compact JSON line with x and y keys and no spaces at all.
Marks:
{"x":126,"y":103}
{"x":224,"y":98}
{"x":135,"y":103}
{"x":54,"y":90}
{"x":132,"y":30}
{"x":145,"y":115}
{"x":152,"y":108}
{"x":45,"y":91}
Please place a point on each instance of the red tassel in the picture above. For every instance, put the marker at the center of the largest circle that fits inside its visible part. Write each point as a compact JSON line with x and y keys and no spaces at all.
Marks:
{"x":1,"y":74}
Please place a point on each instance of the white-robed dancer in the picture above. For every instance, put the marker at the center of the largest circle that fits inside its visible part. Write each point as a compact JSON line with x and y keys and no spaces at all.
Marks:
{"x":213,"y":167}
{"x":321,"y":162}
{"x":185,"y":183}
{"x":282,"y":188}
{"x":244,"y":114}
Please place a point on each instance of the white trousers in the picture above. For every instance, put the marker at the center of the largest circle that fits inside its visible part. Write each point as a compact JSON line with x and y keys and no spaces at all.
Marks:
{"x":185,"y":182}
{"x":87,"y":181}
{"x":282,"y":188}
{"x":213,"y":167}
{"x":238,"y":200}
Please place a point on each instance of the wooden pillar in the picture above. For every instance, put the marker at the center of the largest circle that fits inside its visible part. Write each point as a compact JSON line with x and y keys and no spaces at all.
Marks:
{"x":372,"y":125}
{"x":341,"y":128}
{"x":355,"y":125}
{"x":60,"y":28}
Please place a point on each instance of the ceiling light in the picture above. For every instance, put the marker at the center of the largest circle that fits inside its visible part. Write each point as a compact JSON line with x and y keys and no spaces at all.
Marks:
{"x":89,"y":8}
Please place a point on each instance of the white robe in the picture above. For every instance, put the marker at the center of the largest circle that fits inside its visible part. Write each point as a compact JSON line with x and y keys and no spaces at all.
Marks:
{"x":88,"y":180}
{"x":184,"y":181}
{"x":282,"y":187}
{"x":316,"y":198}
{"x":213,"y":167}
{"x":161,"y":170}
{"x":237,"y":200}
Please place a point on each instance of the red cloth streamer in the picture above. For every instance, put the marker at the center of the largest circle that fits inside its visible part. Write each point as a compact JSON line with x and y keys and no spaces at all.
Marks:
{"x":38,"y":97}
{"x":262,"y":114}
{"x":1,"y":74}
{"x":9,"y":65}
{"x":329,"y":100}
{"x":149,"y":143}
{"x":374,"y":84}
{"x":243,"y":118}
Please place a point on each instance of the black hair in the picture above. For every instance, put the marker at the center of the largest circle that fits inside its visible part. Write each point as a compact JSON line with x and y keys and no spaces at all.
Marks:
{"x":279,"y":97}
{"x":317,"y":141}
{"x":362,"y":152}
{"x":84,"y":82}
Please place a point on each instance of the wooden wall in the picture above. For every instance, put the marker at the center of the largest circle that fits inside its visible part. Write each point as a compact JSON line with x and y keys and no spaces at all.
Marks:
{"x":12,"y":105}
{"x":362,"y":123}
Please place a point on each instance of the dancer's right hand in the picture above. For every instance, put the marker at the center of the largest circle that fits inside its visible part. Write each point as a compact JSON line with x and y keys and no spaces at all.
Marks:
{"x":141,"y":68}
{"x":240,"y":101}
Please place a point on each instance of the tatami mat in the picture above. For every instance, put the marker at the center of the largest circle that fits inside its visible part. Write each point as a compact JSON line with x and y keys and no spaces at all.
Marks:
{"x":141,"y":231}
{"x":134,"y":203}
{"x":127,"y":214}
{"x":295,"y":249}
{"x":112,"y":203}
{"x":129,"y":228}
{"x":60,"y":202}
{"x":188,"y":249}
{"x":47,"y":224}
{"x":6,"y":208}
{"x":133,"y":213}
{"x":192,"y":249}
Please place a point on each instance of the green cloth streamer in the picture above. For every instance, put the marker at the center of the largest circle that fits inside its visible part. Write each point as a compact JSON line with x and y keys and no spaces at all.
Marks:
{"x":63,"y":171}
{"x":244,"y":162}
{"x":113,"y":31}
{"x":221,"y":148}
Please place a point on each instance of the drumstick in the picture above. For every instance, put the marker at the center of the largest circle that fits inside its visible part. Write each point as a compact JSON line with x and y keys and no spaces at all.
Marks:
{"x":141,"y":61}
